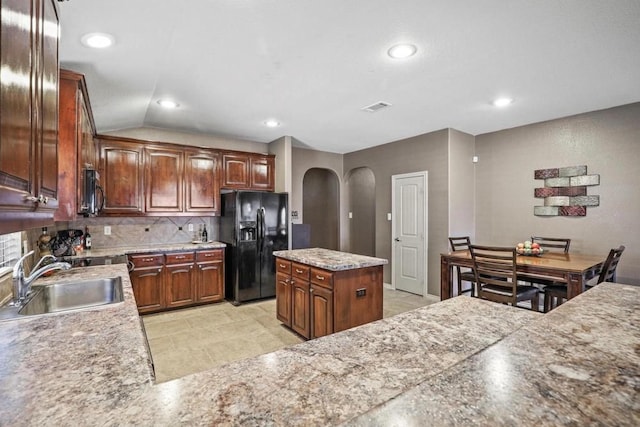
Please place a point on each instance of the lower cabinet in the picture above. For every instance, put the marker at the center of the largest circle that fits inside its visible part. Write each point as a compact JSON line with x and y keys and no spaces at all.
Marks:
{"x":165,"y":281}
{"x":179,"y":279}
{"x":147,"y":283}
{"x":315,"y":302}
{"x":209,"y":277}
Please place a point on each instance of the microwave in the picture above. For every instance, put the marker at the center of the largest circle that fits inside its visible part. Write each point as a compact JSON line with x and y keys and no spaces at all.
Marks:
{"x":91,"y":194}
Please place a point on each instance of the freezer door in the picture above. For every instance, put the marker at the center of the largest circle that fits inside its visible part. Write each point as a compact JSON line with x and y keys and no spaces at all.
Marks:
{"x":273,"y":238}
{"x":247,"y":274}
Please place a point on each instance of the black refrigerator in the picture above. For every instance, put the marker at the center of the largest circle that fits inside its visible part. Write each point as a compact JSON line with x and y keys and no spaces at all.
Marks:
{"x":253,"y":224}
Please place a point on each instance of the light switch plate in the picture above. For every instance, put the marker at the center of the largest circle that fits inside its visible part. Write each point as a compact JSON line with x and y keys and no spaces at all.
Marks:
{"x":388,"y":217}
{"x":107,"y":230}
{"x":350,"y":215}
{"x":190,"y":227}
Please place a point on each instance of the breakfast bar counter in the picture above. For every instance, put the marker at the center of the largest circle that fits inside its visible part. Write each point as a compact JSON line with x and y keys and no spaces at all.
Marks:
{"x":459,"y":361}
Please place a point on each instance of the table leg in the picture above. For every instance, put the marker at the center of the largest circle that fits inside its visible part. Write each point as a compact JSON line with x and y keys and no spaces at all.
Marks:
{"x":446,"y":276}
{"x":575,"y":285}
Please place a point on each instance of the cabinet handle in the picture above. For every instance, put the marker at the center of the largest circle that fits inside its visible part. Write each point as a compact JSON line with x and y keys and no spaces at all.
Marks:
{"x":293,"y":281}
{"x":139,"y":209}
{"x":147,"y":259}
{"x":311,"y":290}
{"x":319,"y":277}
{"x":208,"y":255}
{"x":299,"y":271}
{"x":282,"y":265}
{"x":159,"y":270}
{"x":40,"y":199}
{"x":180,"y":257}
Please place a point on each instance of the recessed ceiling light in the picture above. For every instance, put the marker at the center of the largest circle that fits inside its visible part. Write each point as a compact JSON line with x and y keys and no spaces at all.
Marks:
{"x":167,"y":103}
{"x":502,"y":102}
{"x":272,"y":123}
{"x":97,"y":40}
{"x":400,"y":51}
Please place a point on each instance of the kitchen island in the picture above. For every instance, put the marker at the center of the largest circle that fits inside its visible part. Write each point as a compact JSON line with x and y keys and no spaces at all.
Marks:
{"x":460,"y":361}
{"x":321,"y":291}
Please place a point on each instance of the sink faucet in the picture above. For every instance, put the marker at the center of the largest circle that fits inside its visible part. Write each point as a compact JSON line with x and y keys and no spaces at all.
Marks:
{"x":22,"y":284}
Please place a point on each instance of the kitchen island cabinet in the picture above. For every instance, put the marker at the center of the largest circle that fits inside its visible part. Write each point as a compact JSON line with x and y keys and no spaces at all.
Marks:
{"x":320,"y":291}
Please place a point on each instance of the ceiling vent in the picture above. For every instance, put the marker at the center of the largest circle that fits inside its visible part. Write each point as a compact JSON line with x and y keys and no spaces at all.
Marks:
{"x":376,"y":107}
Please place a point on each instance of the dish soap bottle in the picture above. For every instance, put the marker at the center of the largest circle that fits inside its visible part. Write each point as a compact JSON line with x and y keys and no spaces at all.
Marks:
{"x":87,"y":238}
{"x":204,"y":234}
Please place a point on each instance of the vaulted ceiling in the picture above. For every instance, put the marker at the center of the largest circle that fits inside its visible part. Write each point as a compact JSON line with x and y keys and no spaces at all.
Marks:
{"x":312,"y":65}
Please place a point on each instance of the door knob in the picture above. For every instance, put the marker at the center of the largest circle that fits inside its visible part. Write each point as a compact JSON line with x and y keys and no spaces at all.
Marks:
{"x":396,"y":239}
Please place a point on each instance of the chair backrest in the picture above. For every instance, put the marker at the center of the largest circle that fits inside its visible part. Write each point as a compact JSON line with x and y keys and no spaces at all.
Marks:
{"x":552,"y":243}
{"x":459,"y":243}
{"x":494,"y":265}
{"x":608,"y":273}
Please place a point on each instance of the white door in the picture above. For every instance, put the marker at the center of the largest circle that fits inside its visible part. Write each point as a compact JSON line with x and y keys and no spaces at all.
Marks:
{"x":409,"y":224}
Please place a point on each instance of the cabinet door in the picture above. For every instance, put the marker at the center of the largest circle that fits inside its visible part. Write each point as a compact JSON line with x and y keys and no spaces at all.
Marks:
{"x":164,"y":180}
{"x":321,"y":311}
{"x":148,"y":288}
{"x":121,"y":176}
{"x":283,"y":298}
{"x":262,"y":173}
{"x":179,"y":285}
{"x":235,"y":171}
{"x":201,"y":182}
{"x":210,"y":281}
{"x":47,"y":104}
{"x":300,"y":307}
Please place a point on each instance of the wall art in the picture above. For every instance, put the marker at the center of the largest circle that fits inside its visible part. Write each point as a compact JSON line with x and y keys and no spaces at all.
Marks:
{"x":565,"y":191}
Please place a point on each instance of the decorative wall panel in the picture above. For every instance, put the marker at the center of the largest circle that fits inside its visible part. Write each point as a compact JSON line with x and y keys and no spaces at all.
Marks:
{"x":565,"y":191}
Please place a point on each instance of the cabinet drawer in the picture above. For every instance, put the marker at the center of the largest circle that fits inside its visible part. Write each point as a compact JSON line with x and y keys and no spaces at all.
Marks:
{"x":300,"y":271}
{"x":283,"y":266}
{"x":146,"y":260}
{"x":322,"y":277}
{"x":209,"y":255}
{"x":180,"y":258}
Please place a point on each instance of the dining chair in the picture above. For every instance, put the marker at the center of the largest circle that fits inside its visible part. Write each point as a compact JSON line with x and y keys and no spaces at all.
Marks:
{"x":466,"y":275}
{"x":497,"y":278}
{"x":554,"y":244}
{"x":554,"y":295}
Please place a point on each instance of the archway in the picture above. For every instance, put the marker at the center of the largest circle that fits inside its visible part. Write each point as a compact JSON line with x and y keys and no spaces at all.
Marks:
{"x":321,"y":207}
{"x":361,"y":184}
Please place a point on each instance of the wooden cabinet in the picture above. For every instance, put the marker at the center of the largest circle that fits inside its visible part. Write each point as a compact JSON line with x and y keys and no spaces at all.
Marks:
{"x":262,"y":173}
{"x":121,"y":172}
{"x":248,"y":171}
{"x":321,"y":311}
{"x":147,"y":281}
{"x":76,"y":144}
{"x":29,"y":114}
{"x":179,"y":279}
{"x":164,"y":173}
{"x":210,"y":275}
{"x":202,"y":186}
{"x":315,"y":302}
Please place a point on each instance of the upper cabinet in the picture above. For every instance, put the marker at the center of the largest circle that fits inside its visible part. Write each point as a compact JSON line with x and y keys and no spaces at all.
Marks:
{"x":76,"y":143}
{"x":121,"y":172}
{"x":164,"y":180}
{"x":202,"y":185}
{"x":29,"y":113}
{"x":248,"y":171}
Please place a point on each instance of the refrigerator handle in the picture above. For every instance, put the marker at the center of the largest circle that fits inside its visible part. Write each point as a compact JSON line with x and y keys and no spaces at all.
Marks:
{"x":259,"y":229}
{"x":264,"y":225}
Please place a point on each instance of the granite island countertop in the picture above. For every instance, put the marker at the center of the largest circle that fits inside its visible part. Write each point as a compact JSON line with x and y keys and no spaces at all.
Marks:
{"x":92,"y":367}
{"x":126,"y":250}
{"x":329,"y":259}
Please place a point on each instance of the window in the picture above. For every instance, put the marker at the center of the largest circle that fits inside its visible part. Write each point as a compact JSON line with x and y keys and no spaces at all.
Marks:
{"x":9,"y":251}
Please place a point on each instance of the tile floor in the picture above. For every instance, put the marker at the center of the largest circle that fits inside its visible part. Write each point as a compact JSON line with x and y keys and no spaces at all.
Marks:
{"x":192,"y":340}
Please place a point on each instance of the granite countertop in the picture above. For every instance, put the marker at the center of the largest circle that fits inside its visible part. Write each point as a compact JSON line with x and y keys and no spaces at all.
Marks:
{"x":125,"y":250}
{"x":577,"y":365}
{"x":459,"y":361}
{"x":329,"y":259}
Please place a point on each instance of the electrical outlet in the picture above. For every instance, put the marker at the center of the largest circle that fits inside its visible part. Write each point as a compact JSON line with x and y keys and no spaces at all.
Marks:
{"x":350,"y":215}
{"x":107,"y":230}
{"x":190,"y":227}
{"x":388,"y":216}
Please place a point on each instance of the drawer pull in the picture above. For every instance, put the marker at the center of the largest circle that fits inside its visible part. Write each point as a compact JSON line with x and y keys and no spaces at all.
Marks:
{"x":299,"y":271}
{"x":208,"y":255}
{"x":180,"y":257}
{"x":147,"y":259}
{"x":319,"y":277}
{"x":282,"y":266}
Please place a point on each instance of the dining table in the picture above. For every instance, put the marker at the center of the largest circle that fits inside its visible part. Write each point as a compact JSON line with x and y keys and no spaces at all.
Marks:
{"x":572,"y":269}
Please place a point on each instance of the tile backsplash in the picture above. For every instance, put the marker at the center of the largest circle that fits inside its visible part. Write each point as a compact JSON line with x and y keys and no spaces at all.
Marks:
{"x":130,"y":231}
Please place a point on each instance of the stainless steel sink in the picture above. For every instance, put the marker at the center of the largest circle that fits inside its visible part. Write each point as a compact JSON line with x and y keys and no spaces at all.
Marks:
{"x":73,"y":296}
